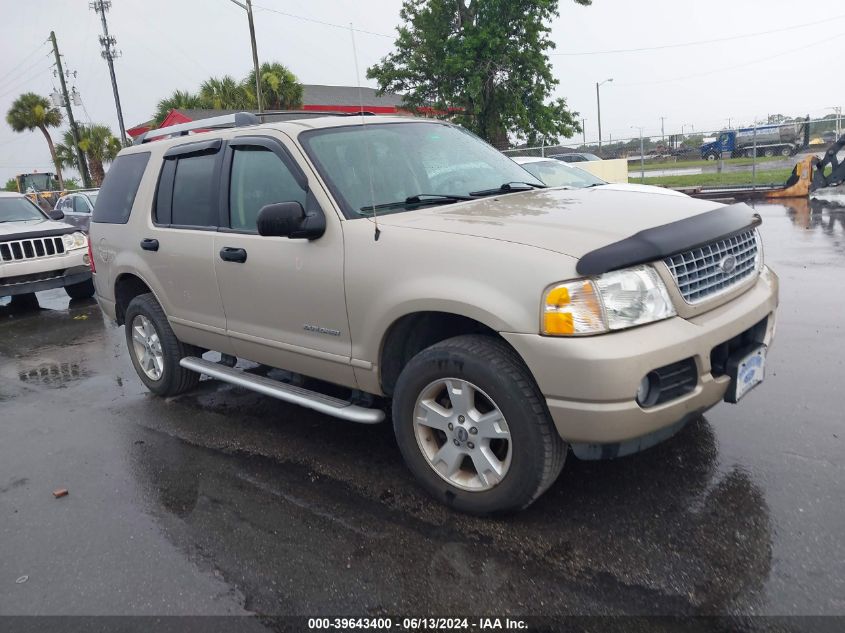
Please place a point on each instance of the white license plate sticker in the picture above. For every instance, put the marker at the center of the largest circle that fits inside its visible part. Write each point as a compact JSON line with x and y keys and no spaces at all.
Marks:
{"x":750,"y":372}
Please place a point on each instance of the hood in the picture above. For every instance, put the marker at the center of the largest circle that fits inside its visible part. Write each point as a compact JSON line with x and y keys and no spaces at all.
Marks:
{"x":569,"y":221}
{"x":35,"y":227}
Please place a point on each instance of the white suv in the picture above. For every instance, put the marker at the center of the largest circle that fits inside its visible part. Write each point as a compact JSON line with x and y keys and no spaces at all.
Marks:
{"x":37,"y":253}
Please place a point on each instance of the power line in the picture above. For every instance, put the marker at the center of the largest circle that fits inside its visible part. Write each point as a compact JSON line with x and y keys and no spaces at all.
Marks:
{"x":315,"y":21}
{"x":699,"y":42}
{"x":31,"y":76}
{"x":30,"y":54}
{"x":729,"y":68}
{"x":23,"y":71}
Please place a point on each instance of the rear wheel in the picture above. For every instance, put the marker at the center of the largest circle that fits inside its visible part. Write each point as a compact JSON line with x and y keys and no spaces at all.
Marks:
{"x":154,"y":349}
{"x":769,"y":152}
{"x":82,"y":290}
{"x":473,"y":427}
{"x":785,"y":151}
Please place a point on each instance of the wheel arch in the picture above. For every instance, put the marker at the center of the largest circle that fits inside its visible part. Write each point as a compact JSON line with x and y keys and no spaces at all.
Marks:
{"x":411,"y":333}
{"x":127,"y":286}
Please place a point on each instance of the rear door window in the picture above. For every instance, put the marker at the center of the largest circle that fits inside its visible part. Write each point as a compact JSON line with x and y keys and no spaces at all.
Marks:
{"x":117,"y":195}
{"x":193,"y":191}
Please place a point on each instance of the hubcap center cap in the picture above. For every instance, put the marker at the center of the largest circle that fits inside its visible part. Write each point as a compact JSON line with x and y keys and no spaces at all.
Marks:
{"x":461,"y":434}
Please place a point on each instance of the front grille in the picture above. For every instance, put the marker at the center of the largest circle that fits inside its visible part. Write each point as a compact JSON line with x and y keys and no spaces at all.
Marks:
{"x":672,"y":381}
{"x":699,"y":272}
{"x":32,"y":248}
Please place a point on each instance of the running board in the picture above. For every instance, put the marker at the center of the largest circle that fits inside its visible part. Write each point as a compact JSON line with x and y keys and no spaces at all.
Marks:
{"x":289,"y":393}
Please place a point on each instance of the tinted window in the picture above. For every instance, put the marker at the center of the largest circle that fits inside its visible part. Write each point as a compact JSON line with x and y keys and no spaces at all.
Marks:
{"x":259,"y":177}
{"x":193,"y":191}
{"x":114,"y":202}
{"x":79,"y":205}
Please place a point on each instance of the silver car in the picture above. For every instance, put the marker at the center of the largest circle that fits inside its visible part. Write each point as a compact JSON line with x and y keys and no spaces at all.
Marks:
{"x":77,"y":207}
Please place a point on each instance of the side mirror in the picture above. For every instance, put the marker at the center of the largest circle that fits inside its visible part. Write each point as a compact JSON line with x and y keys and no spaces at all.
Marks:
{"x":56,"y":214}
{"x":288,"y":219}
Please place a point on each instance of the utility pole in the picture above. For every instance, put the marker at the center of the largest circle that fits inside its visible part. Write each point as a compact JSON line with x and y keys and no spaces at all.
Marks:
{"x":598,"y":105}
{"x":584,"y":131}
{"x":80,"y":157}
{"x":642,"y":152}
{"x":109,"y":53}
{"x":248,"y":8}
{"x":662,"y":132}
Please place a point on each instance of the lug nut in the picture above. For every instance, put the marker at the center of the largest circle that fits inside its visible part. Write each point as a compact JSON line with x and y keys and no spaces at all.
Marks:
{"x":473,"y":431}
{"x":470,"y":445}
{"x":457,"y":443}
{"x":451,"y":426}
{"x":461,"y":419}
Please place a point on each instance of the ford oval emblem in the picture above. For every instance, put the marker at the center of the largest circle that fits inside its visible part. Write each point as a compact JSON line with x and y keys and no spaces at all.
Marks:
{"x":728,"y":264}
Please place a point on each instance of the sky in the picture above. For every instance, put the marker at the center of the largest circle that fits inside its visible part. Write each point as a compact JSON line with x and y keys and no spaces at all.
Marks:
{"x":769,"y":57}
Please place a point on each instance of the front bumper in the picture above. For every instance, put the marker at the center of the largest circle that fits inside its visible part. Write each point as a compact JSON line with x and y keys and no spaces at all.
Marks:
{"x":36,"y":282}
{"x":590,"y":382}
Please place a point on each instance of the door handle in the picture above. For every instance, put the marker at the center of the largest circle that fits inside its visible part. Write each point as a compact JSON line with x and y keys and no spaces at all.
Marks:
{"x":149,"y":245}
{"x":229,"y":254}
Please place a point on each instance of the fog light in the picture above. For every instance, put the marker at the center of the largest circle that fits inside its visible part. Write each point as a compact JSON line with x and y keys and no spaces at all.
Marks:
{"x":644,"y":391}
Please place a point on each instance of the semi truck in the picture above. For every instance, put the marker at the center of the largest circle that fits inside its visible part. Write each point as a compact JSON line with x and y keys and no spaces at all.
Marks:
{"x":768,"y":140}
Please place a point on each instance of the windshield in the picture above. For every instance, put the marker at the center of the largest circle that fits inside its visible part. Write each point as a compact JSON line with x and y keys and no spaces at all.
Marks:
{"x":556,"y":174}
{"x":386,"y":163}
{"x":18,"y":209}
{"x":37,"y":182}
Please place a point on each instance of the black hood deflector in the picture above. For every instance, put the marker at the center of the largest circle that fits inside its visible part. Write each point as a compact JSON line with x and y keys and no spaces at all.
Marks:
{"x":668,"y":239}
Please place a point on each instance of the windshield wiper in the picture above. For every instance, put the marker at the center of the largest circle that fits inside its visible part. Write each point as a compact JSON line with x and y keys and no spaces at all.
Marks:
{"x":420,"y":198}
{"x":509,"y":187}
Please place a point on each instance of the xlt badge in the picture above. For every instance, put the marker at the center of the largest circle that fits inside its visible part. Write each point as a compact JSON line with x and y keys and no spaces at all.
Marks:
{"x":320,"y":330}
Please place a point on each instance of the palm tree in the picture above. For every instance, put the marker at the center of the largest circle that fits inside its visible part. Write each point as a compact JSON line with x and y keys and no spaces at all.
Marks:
{"x":30,"y":111}
{"x":223,"y":93}
{"x":98,"y":144}
{"x":280,"y":89}
{"x":180,"y":99}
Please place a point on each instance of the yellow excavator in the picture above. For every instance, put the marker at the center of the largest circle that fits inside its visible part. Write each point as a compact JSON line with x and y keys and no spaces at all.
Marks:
{"x":40,"y":187}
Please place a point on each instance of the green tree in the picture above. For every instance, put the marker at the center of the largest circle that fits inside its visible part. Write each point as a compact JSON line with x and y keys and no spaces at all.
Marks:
{"x":98,"y":144}
{"x":179,"y":100}
{"x":224,"y":93}
{"x":11,"y":185}
{"x":31,"y":111}
{"x":485,"y":61}
{"x":280,"y":89}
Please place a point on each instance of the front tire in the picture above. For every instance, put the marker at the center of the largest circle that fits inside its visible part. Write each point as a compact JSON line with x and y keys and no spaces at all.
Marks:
{"x":474,"y":428}
{"x":154,"y":349}
{"x":82,"y":290}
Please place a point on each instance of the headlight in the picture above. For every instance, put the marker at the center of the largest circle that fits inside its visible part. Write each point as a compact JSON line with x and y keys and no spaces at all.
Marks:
{"x":613,"y":301}
{"x":758,"y":259}
{"x":75,"y":240}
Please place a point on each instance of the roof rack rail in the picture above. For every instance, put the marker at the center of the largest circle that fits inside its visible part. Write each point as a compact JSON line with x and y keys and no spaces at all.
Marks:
{"x":238,"y":119}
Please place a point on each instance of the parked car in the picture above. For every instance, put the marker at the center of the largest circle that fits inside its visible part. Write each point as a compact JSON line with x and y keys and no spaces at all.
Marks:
{"x":575,"y":157}
{"x":503,"y":321}
{"x":38,"y":253}
{"x":77,"y":207}
{"x":554,"y":173}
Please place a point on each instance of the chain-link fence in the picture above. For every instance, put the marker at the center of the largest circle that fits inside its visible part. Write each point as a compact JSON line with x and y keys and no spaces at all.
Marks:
{"x":761,"y":154}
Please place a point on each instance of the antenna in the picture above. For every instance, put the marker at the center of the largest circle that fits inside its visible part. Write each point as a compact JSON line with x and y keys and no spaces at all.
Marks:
{"x":364,"y":123}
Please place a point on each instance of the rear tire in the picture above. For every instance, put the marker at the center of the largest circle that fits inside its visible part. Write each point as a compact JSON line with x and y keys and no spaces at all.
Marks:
{"x":154,"y":349}
{"x":82,"y":290}
{"x":488,"y":375}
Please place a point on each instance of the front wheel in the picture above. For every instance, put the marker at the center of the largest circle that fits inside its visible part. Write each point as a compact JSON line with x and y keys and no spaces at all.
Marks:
{"x":154,"y":349}
{"x":474,"y":428}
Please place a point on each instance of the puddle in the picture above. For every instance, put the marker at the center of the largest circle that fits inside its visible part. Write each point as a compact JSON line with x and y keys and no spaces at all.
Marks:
{"x":54,"y":374}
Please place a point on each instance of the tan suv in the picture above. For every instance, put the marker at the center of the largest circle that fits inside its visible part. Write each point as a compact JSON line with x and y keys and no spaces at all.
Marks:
{"x":406,"y":260}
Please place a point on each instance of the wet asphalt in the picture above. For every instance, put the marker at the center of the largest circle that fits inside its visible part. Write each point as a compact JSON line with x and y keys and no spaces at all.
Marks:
{"x":225,"y":502}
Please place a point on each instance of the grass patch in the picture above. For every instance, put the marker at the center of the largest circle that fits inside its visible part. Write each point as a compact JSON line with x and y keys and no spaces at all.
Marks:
{"x":680,"y":164}
{"x":766,"y":177}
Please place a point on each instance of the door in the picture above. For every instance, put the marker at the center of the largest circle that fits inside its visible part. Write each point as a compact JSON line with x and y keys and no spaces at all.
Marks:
{"x":179,"y":243}
{"x":283,"y":298}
